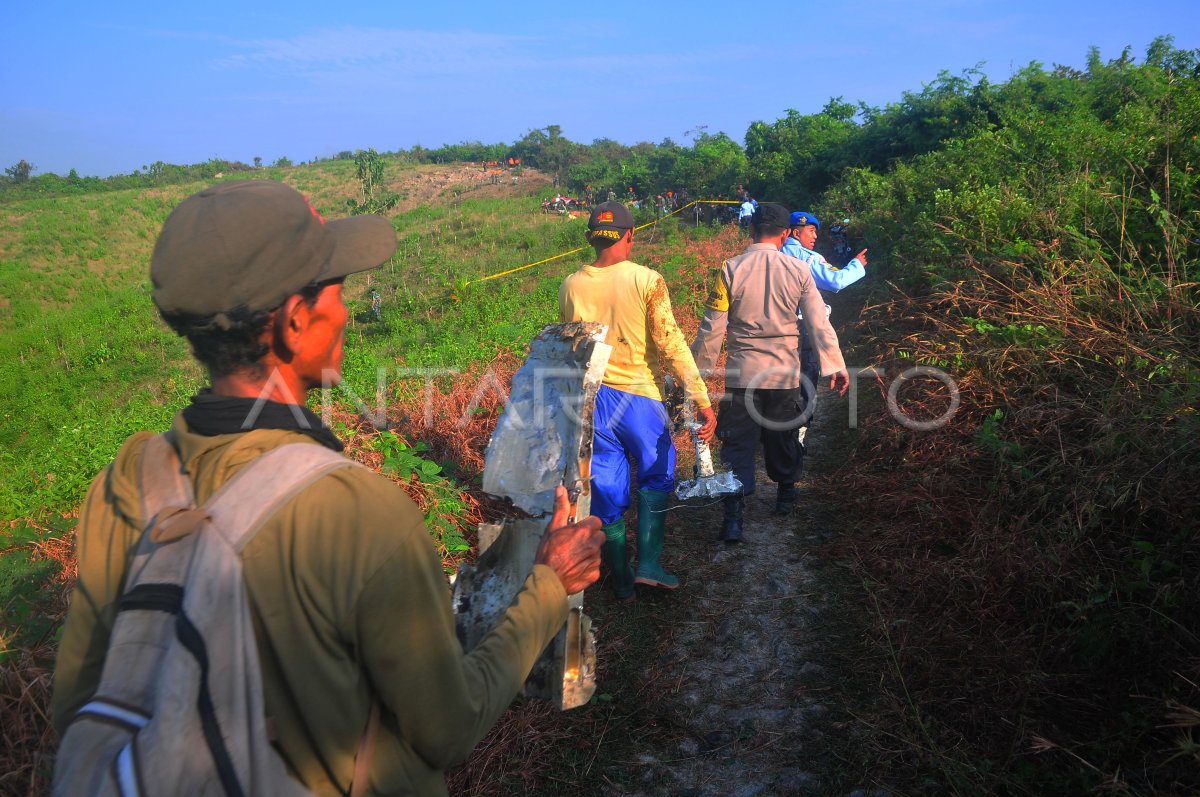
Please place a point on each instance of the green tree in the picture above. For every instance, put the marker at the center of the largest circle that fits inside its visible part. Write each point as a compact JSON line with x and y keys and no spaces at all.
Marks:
{"x":548,"y":149}
{"x":19,"y":172}
{"x":714,"y":164}
{"x":800,"y":155}
{"x":368,"y":165}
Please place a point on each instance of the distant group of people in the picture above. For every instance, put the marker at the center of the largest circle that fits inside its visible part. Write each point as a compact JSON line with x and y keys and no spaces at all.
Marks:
{"x":661,"y":204}
{"x":350,"y":608}
{"x":494,"y":169}
{"x":746,"y":210}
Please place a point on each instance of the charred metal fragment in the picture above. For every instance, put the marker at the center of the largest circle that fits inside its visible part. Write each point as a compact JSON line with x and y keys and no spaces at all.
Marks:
{"x":543,"y":439}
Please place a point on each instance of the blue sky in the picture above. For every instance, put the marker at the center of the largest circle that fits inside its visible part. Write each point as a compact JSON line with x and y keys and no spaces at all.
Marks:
{"x":106,"y":88}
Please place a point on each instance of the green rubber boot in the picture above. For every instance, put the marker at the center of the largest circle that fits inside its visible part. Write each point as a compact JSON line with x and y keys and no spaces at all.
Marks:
{"x":652,"y":528}
{"x":617,"y":560}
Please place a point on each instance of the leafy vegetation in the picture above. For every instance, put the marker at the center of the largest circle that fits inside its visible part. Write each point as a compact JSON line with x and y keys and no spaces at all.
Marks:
{"x":19,"y":172}
{"x":446,"y":516}
{"x":368,"y":167}
{"x":1040,"y":602}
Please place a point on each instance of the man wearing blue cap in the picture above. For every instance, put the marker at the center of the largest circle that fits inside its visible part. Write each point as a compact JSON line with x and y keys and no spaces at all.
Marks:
{"x":800,"y":243}
{"x":827,"y":277}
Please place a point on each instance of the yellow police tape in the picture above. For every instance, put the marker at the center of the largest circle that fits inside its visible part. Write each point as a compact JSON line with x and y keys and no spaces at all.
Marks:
{"x":581,"y":248}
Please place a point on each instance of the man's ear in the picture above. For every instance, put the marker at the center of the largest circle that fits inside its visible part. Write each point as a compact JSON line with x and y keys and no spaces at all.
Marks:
{"x":291,"y":321}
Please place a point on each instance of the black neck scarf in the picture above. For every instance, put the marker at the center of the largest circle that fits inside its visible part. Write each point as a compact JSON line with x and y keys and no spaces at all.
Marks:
{"x":211,"y":415}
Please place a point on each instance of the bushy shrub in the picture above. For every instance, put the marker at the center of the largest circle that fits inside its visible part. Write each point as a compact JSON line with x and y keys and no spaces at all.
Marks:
{"x":1047,"y":258}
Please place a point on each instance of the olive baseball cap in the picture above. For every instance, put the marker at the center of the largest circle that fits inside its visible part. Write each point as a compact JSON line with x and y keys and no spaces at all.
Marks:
{"x":253,"y":243}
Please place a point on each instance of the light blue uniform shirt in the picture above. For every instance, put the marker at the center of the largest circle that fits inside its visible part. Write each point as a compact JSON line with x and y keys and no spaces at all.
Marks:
{"x":825,"y":275}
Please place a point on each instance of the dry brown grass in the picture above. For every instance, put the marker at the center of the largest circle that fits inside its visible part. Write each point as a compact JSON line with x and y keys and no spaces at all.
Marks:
{"x":1034,"y":574}
{"x":514,"y":755}
{"x":27,"y":741}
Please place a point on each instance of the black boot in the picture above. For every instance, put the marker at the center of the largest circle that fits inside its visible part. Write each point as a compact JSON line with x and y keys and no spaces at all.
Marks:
{"x":785,"y":498}
{"x":731,"y":528}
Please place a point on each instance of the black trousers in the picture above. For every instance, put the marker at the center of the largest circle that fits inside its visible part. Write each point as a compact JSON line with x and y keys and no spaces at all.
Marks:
{"x":810,"y":369}
{"x":747,"y":417}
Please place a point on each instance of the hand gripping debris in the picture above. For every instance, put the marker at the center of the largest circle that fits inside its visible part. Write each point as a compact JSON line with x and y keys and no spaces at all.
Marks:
{"x":707,"y":484}
{"x":543,"y":439}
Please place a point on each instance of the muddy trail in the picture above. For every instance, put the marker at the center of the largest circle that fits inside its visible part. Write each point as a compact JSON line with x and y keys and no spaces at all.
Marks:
{"x":739,"y":683}
{"x":744,"y":689}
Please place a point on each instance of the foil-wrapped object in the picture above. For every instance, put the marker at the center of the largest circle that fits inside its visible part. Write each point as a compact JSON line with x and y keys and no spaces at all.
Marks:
{"x":707,"y":484}
{"x":717,"y":485}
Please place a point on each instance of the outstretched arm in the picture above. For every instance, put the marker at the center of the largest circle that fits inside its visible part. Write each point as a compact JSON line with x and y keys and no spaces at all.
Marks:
{"x":444,"y":701}
{"x":834,"y":279}
{"x":828,"y":278}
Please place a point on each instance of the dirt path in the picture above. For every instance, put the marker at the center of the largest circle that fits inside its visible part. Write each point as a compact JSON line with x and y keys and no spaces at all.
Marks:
{"x":744,"y":688}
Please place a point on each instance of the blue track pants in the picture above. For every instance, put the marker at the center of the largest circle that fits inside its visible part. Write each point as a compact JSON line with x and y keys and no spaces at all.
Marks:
{"x":629,"y":427}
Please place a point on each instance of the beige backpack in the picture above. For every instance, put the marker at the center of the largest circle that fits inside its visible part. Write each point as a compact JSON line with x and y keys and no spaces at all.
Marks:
{"x":179,"y":709}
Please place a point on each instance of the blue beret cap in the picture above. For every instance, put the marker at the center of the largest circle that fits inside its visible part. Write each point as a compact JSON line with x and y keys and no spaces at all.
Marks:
{"x":802,"y":218}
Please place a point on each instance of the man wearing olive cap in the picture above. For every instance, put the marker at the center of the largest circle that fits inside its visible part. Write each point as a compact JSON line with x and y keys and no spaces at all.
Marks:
{"x":346,"y":591}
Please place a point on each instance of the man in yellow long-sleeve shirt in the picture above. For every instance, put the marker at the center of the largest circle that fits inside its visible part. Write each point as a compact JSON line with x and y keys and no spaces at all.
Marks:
{"x":630,"y":419}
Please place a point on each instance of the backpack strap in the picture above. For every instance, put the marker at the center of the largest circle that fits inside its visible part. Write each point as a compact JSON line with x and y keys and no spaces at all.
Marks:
{"x":240,"y":507}
{"x":237,"y":510}
{"x":165,"y":485}
{"x":249,"y":499}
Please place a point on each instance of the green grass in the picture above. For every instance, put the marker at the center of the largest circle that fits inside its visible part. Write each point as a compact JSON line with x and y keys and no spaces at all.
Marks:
{"x":430,"y":318}
{"x":85,"y":360}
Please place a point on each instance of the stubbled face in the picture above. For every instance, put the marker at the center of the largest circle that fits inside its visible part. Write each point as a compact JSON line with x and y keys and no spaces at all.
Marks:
{"x":320,"y":354}
{"x":807,"y":236}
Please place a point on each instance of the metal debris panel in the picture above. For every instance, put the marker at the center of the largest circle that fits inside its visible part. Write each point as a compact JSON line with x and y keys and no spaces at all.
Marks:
{"x":543,"y":439}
